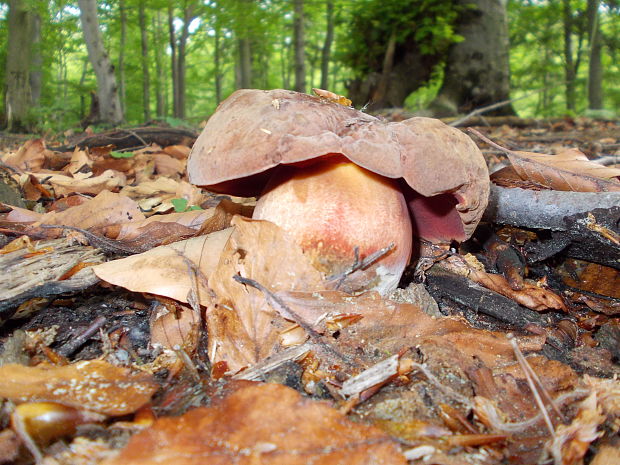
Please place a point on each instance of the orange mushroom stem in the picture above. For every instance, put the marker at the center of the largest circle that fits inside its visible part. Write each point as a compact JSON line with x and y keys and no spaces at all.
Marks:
{"x":340,"y":213}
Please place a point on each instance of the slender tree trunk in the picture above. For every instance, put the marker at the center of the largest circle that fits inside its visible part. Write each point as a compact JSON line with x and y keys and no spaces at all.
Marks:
{"x":245,"y":63}
{"x":82,"y":81}
{"x":569,"y":65}
{"x":160,"y":103}
{"x":121,"y":54}
{"x":173,"y":61}
{"x":299,"y":45}
{"x":36,"y":71}
{"x":217,"y":57}
{"x":378,"y":97}
{"x":146,"y":77}
{"x":110,"y":110}
{"x":595,"y":68}
{"x":18,"y":92}
{"x":181,"y":55}
{"x":327,"y":44}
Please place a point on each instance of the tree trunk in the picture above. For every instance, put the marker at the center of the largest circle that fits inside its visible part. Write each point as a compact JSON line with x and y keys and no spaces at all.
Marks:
{"x":188,"y":16}
{"x":146,"y":77}
{"x":595,"y":69}
{"x":477,"y":71}
{"x":299,"y":45}
{"x":569,"y":66}
{"x":109,"y":104}
{"x":18,"y":92}
{"x":245,"y":63}
{"x":217,"y":52}
{"x":173,"y":61}
{"x":379,"y":95}
{"x":160,"y":103}
{"x":121,"y":54}
{"x":36,"y":71}
{"x":327,"y":44}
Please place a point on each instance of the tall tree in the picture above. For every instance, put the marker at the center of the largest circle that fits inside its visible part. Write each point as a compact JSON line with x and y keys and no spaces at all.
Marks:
{"x":299,"y":46}
{"x":178,"y":47}
{"x":595,"y":66}
{"x":110,"y":110}
{"x":144,"y":49}
{"x":570,"y":66}
{"x":477,"y":71}
{"x":36,"y":70}
{"x":394,"y":47}
{"x":18,"y":96}
{"x":327,"y":43}
{"x":121,"y":53}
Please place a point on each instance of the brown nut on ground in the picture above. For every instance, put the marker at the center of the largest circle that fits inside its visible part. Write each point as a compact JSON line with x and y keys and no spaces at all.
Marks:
{"x":336,"y":178}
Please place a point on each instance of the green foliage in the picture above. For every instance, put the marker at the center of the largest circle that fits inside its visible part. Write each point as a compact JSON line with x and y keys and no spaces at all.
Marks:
{"x":363,"y":29}
{"x":537,"y":56}
{"x":181,"y":205}
{"x":115,"y":154}
{"x":428,"y":26}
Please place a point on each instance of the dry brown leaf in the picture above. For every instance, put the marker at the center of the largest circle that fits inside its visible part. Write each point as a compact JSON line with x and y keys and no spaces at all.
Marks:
{"x":387,"y":327}
{"x":29,"y":157}
{"x":204,"y":221}
{"x":167,"y":165}
{"x":22,"y":215}
{"x":570,"y":170}
{"x":530,"y":295}
{"x":84,"y":182}
{"x":79,"y":160}
{"x":180,"y":152}
{"x":161,"y":191}
{"x":591,"y":277}
{"x":105,"y":209}
{"x":267,"y":424}
{"x":175,"y":328}
{"x":91,"y":385}
{"x":243,"y":327}
{"x":165,"y":271}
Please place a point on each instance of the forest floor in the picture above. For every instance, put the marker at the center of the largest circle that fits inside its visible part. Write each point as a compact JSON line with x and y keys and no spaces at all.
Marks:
{"x":504,"y":349}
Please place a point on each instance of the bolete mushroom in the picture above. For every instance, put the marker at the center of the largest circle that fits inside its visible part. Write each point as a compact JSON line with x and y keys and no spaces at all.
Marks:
{"x":342,"y":182}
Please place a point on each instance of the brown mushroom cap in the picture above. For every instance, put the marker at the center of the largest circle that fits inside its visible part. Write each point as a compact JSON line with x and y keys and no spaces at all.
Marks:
{"x":253,"y":131}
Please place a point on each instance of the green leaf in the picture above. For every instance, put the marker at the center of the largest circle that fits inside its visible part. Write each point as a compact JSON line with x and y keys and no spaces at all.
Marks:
{"x":121,"y":154}
{"x":180,"y":205}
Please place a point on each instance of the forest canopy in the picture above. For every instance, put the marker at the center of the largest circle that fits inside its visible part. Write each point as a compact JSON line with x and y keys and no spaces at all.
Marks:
{"x":175,"y":61}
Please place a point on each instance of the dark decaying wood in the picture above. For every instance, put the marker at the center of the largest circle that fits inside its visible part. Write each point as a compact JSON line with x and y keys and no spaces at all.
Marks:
{"x":26,"y":275}
{"x":447,"y":286}
{"x":134,"y":138}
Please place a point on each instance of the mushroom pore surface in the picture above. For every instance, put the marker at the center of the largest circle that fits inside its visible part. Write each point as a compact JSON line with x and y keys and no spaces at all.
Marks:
{"x":332,"y":206}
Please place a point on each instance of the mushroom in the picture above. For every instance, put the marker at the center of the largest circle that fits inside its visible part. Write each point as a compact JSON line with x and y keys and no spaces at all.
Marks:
{"x":345,"y":185}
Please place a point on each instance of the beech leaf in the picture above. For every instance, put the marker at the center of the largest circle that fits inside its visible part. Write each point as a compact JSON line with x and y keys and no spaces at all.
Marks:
{"x":266,"y":424}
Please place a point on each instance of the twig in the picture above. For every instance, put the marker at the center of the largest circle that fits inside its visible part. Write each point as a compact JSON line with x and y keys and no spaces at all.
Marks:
{"x":360,"y":264}
{"x":101,"y":242}
{"x":187,"y":361}
{"x":530,"y":381}
{"x":288,"y":313}
{"x":493,"y":106}
{"x":70,"y":347}
{"x":491,"y":143}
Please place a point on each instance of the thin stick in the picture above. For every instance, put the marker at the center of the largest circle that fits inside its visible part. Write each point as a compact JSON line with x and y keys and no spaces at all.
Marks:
{"x":74,"y":344}
{"x":361,"y":264}
{"x":491,"y":143}
{"x":288,"y":313}
{"x":530,"y":382}
{"x":493,"y":106}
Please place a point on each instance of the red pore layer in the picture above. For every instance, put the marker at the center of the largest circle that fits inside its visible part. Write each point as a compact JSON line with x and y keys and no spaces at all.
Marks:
{"x":333,"y":206}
